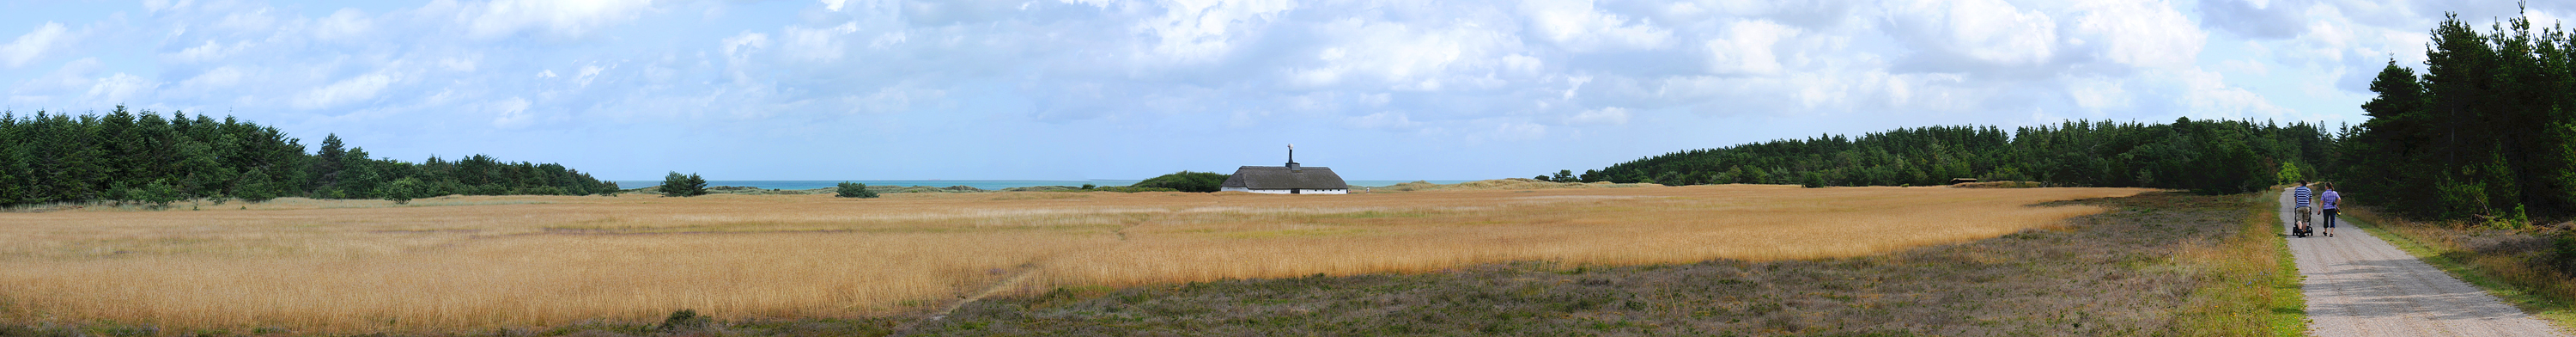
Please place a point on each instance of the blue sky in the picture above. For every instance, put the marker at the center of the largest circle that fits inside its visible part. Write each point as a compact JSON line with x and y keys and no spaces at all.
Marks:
{"x":1108,"y":89}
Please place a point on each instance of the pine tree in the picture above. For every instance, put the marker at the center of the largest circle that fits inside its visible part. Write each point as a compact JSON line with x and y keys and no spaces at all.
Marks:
{"x":677,"y":185}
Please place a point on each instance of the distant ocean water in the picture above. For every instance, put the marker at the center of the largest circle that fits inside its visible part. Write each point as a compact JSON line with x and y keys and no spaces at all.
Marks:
{"x":982,"y":184}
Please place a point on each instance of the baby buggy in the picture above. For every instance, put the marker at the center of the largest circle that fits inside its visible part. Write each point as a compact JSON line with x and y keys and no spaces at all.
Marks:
{"x":2300,"y":228}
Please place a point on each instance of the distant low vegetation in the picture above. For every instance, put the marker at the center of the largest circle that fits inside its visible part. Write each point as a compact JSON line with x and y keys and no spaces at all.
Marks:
{"x":676,"y":185}
{"x":853,"y":190}
{"x":1186,"y":181}
{"x":130,"y":156}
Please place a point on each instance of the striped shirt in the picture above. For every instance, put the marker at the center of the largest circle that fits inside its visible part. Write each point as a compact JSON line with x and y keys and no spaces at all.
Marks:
{"x":2331,"y":198}
{"x":2303,"y":194}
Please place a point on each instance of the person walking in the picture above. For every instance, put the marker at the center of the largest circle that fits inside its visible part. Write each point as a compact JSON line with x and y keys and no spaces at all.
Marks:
{"x":2300,"y":222}
{"x":2330,"y":201}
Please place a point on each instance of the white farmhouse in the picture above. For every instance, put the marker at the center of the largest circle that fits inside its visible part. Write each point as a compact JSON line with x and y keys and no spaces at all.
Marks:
{"x":1291,"y":179}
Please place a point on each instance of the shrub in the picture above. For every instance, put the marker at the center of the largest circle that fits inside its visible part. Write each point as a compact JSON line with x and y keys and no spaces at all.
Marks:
{"x":683,"y":320}
{"x":159,"y":193}
{"x":401,"y":191}
{"x":854,"y":190}
{"x":1186,"y":181}
{"x":676,"y":185}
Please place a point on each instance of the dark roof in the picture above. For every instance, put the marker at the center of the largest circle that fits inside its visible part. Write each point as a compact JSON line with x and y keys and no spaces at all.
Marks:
{"x":1279,"y":178}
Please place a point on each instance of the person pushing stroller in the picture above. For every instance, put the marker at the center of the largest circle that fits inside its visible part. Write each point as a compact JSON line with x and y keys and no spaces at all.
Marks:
{"x":2299,"y":227}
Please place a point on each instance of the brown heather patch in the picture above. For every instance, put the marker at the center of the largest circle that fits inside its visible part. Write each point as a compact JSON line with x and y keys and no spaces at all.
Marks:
{"x":2157,"y":264}
{"x":475,"y":263}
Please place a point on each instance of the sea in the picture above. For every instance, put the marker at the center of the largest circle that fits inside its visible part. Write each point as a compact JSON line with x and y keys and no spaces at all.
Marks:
{"x":981,"y":184}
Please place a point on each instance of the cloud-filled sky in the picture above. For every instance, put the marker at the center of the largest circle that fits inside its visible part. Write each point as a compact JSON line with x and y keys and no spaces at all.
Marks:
{"x":1113,"y":89}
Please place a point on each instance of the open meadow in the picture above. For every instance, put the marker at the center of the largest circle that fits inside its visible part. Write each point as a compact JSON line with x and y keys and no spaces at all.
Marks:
{"x":468,"y":263}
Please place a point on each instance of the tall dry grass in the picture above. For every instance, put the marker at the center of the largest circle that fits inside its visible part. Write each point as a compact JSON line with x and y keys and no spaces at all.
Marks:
{"x":480,"y":262}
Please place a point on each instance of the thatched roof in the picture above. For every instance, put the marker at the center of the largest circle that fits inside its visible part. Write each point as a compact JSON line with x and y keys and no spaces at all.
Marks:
{"x":1280,"y":178}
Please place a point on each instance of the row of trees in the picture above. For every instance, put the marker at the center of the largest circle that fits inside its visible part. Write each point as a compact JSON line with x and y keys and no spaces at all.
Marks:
{"x":127,"y":156}
{"x":2204,"y":156}
{"x":2487,"y":131}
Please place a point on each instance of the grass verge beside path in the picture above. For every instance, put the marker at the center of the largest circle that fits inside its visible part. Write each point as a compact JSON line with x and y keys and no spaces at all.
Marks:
{"x":2254,"y":284}
{"x":2160,"y":264}
{"x":2488,"y":259}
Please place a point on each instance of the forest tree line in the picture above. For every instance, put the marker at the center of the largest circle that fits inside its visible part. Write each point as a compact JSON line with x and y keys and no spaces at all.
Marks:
{"x":2214,"y":156}
{"x":125,"y":156}
{"x":2487,"y":132}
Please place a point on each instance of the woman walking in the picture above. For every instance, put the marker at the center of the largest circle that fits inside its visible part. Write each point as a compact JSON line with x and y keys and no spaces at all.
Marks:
{"x":2329,"y":201}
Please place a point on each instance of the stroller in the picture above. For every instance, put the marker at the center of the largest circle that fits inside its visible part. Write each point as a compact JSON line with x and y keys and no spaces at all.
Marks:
{"x":2300,"y":229}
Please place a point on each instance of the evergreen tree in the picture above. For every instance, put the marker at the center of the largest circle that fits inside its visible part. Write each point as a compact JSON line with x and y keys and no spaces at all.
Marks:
{"x":677,"y":185}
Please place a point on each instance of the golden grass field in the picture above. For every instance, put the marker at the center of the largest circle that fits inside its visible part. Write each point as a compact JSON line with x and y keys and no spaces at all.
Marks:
{"x":462,"y":263}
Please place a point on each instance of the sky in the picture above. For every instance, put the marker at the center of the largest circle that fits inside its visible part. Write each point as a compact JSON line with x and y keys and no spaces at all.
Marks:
{"x":1113,"y":89}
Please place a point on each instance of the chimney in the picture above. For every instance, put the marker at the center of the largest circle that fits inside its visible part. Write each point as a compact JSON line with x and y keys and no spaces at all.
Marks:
{"x":1292,"y":159}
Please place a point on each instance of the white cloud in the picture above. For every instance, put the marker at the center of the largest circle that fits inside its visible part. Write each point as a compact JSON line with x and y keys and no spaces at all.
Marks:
{"x":354,"y":89}
{"x":211,"y":80}
{"x":823,"y":44}
{"x":1603,"y":116}
{"x":33,"y":44}
{"x":576,"y":19}
{"x":1986,"y":31}
{"x":159,"y":5}
{"x":2140,"y":33}
{"x":1397,"y":56}
{"x":1747,"y":48}
{"x":2097,"y":93}
{"x":1576,"y":25}
{"x":739,"y":47}
{"x":1382,"y":120}
{"x":588,"y":73}
{"x":511,"y":113}
{"x":1516,"y":131}
{"x":2208,"y":96}
{"x":206,"y":52}
{"x":347,"y":24}
{"x":1202,"y":31}
{"x":121,"y":88}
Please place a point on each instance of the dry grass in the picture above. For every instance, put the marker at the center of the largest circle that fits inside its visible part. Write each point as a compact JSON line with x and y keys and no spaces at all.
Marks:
{"x":480,"y":262}
{"x":2159,"y":264}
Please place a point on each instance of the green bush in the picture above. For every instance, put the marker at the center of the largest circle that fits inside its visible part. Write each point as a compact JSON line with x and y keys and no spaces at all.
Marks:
{"x":854,"y":190}
{"x":1186,"y":181}
{"x":676,"y":185}
{"x":401,"y":191}
{"x":159,"y":193}
{"x":683,"y":320}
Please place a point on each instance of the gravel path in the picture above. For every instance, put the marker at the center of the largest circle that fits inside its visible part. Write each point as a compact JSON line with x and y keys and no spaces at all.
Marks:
{"x":2358,"y":285}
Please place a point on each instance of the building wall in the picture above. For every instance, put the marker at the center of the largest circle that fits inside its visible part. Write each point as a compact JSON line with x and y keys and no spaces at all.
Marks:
{"x":1272,"y":191}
